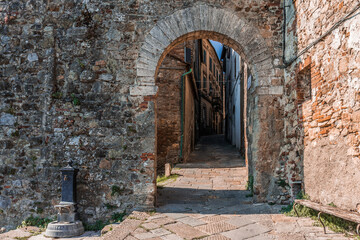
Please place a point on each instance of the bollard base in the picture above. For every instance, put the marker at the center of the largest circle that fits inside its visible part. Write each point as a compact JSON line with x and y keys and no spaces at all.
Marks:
{"x":64,"y":229}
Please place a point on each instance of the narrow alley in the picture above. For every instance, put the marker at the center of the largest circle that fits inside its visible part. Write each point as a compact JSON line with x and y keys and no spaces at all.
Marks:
{"x":208,"y":200}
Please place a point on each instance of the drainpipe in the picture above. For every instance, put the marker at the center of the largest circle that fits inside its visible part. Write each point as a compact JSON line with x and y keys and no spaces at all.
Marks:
{"x":182,"y":111}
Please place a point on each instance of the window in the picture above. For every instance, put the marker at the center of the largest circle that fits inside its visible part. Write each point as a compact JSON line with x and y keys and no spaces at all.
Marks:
{"x":187,"y":55}
{"x":214,"y":68}
{"x":210,"y":63}
{"x":204,"y":83}
{"x":204,"y":55}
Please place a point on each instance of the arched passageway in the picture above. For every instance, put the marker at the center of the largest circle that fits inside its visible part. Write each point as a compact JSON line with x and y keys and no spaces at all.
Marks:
{"x":264,"y":122}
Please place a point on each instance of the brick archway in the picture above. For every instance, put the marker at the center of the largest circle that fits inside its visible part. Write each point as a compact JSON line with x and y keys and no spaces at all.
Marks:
{"x":207,"y":22}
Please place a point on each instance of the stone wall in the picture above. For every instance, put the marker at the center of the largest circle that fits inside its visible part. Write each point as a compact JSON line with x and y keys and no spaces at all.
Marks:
{"x":322,"y":117}
{"x":78,"y":82}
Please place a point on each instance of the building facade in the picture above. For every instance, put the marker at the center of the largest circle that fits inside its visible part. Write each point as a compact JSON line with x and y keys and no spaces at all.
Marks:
{"x":211,"y":89}
{"x":235,"y":75}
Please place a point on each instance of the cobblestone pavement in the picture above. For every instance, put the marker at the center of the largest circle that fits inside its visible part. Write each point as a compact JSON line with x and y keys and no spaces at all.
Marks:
{"x":208,"y":201}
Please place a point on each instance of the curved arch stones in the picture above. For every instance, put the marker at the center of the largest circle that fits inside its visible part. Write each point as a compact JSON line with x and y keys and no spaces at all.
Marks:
{"x":193,"y":23}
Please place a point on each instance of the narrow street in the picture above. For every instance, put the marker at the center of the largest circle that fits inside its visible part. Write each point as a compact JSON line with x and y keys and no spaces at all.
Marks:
{"x":208,"y":201}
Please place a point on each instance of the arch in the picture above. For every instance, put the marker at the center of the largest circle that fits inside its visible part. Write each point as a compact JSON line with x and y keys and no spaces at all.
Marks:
{"x":202,"y":21}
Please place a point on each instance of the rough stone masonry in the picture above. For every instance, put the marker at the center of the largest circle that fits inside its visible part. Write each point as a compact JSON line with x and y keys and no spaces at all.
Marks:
{"x":76,"y":77}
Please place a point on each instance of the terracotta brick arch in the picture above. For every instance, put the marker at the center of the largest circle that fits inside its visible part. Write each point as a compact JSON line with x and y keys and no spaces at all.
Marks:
{"x":203,"y":21}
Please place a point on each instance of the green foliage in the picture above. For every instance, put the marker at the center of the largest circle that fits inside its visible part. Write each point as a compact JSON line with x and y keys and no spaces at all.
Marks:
{"x":115,"y":190}
{"x":282,"y":183}
{"x":302,"y":195}
{"x":75,"y":101}
{"x":249,"y":195}
{"x":110,"y":206}
{"x":10,"y":111}
{"x":118,"y":217}
{"x":131,"y":129}
{"x":36,"y":221}
{"x":15,"y":134}
{"x":152,"y":212}
{"x":334,"y":223}
{"x":288,"y":210}
{"x":250,"y":184}
{"x":39,"y":210}
{"x":332,"y":204}
{"x":98,"y":225}
{"x":162,"y":178}
{"x":57,"y":95}
{"x":81,"y":64}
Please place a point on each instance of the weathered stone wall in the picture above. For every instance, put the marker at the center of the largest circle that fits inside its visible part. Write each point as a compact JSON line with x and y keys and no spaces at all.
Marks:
{"x":65,"y":78}
{"x":322,"y":127}
{"x":78,"y":82}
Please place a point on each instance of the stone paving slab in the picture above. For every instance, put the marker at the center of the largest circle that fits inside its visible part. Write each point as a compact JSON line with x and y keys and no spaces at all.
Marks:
{"x":160,"y":232}
{"x":124,"y":229}
{"x":171,"y":237}
{"x":248,"y":231}
{"x":145,"y":235}
{"x":130,"y":238}
{"x":240,"y":221}
{"x":216,"y":237}
{"x":192,"y":221}
{"x":185,"y":231}
{"x":215,"y":218}
{"x":216,"y":227}
{"x":150,"y":225}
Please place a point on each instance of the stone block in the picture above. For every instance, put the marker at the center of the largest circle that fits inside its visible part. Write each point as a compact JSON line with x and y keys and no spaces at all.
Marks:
{"x":276,"y":90}
{"x":246,"y":232}
{"x":7,"y":119}
{"x":160,"y":232}
{"x":160,"y":36}
{"x":146,"y":72}
{"x":5,"y":202}
{"x":171,"y":237}
{"x":167,"y":170}
{"x":185,"y":231}
{"x":192,"y":221}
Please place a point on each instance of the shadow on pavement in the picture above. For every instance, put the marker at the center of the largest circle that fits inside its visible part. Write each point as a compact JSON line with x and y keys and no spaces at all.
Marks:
{"x":202,"y":201}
